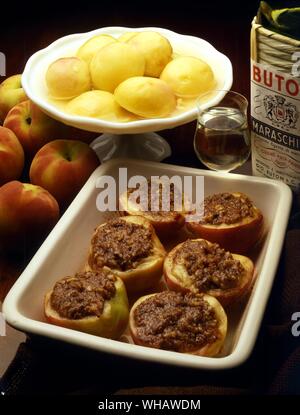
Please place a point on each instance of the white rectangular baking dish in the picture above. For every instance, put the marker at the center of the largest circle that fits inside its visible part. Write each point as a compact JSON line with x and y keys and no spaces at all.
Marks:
{"x":64,"y":252}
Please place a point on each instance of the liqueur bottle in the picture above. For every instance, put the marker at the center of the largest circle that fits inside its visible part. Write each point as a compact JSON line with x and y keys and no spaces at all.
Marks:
{"x":275,"y":92}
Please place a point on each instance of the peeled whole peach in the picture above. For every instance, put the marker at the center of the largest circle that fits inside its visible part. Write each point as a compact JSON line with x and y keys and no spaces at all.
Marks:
{"x":114,"y":63}
{"x":68,"y":77}
{"x":92,"y":46}
{"x":155,"y":48}
{"x":62,"y":167}
{"x":126,"y":36}
{"x":11,"y":156}
{"x":188,"y":76}
{"x":11,"y":94}
{"x":147,"y":97}
{"x":98,"y":104}
{"x":28,"y":212}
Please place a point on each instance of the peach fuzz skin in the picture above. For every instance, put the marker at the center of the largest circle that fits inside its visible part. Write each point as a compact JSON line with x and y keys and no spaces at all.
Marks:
{"x":26,"y":210}
{"x":62,"y":167}
{"x":11,"y":156}
{"x":11,"y":94}
{"x":31,"y":126}
{"x":239,"y":238}
{"x":34,"y":128}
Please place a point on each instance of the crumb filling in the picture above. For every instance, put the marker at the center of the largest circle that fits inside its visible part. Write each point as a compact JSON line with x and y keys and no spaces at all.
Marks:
{"x":83,"y":295}
{"x":176,"y":321}
{"x":209,"y":266}
{"x":226,"y":208}
{"x":149,"y":200}
{"x":120,"y":245}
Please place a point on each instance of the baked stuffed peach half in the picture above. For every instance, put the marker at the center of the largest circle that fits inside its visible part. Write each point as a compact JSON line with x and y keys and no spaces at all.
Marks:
{"x":130,"y":248}
{"x":94,"y":302}
{"x":231,"y":220}
{"x":161,"y":203}
{"x":181,"y":322}
{"x":200,"y":266}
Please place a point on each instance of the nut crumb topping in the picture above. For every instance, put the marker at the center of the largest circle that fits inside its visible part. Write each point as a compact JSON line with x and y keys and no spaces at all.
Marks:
{"x":209,"y":265}
{"x":83,"y":295}
{"x":120,"y":245}
{"x":226,"y":208}
{"x":158,"y":196}
{"x":176,"y":321}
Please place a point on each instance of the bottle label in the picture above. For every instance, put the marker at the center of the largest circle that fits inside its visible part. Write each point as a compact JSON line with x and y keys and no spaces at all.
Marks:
{"x":275,"y":124}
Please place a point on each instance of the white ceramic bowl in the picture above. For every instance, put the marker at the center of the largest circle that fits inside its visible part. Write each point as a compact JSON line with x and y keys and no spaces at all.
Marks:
{"x":33,"y":79}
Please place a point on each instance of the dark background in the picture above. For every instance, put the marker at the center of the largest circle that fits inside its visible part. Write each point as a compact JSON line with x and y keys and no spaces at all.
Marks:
{"x":27,"y":27}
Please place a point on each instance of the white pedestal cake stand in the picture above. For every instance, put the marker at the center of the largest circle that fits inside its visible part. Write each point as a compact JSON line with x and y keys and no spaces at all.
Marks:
{"x":147,"y":146}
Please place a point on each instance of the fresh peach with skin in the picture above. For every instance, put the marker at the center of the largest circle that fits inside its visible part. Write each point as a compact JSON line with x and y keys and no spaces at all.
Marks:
{"x":34,"y":128}
{"x":11,"y":94}
{"x":27,"y":211}
{"x":11,"y":156}
{"x":62,"y":167}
